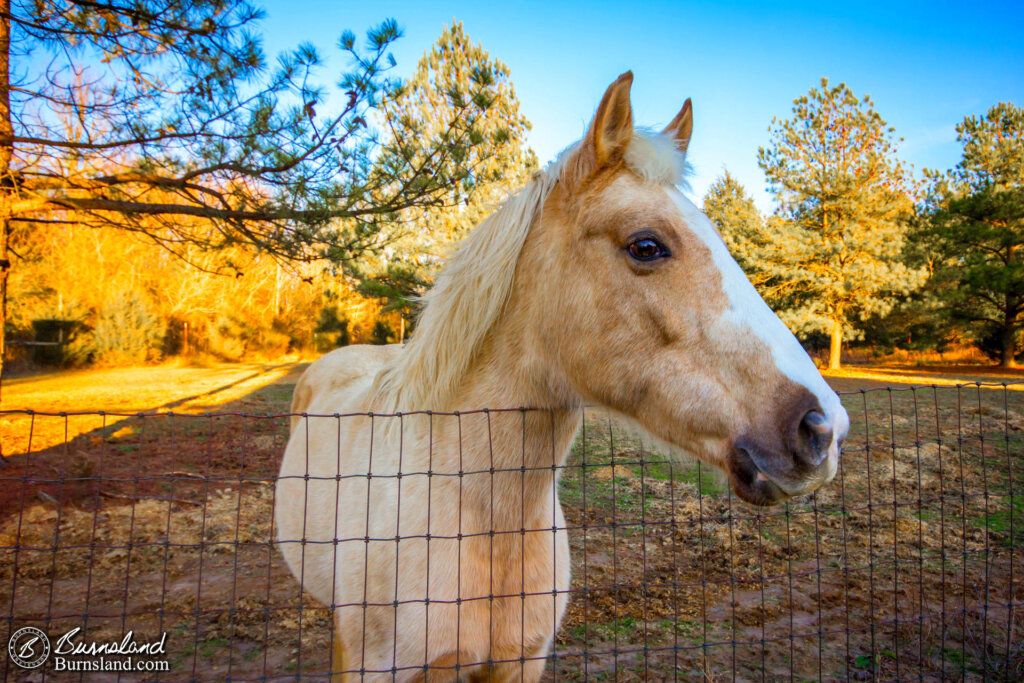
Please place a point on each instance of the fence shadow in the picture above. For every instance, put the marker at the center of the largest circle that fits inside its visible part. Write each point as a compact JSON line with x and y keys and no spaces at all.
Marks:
{"x":265,"y":389}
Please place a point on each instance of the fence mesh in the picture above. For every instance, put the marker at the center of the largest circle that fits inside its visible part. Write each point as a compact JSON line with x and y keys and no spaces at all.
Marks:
{"x":907,"y":566}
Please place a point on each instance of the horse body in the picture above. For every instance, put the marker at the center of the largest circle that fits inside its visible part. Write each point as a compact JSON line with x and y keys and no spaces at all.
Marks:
{"x":437,"y":537}
{"x":464,"y":561}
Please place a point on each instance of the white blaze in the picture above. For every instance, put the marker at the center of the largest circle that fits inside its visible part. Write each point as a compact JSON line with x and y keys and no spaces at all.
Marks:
{"x":748,"y":309}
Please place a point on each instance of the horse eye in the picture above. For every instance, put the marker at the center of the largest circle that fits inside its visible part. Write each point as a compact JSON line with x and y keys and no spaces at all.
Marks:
{"x":647,"y":249}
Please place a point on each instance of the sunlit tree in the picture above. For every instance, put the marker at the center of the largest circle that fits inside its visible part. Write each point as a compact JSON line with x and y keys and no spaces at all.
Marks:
{"x":844,"y":200}
{"x":750,"y":238}
{"x":181,"y":116}
{"x":739,"y":222}
{"x":498,"y":161}
{"x":83,"y":276}
{"x":977,"y":225}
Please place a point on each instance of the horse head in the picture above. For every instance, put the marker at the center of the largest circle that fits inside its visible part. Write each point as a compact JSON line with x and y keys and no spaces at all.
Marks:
{"x":637,"y":305}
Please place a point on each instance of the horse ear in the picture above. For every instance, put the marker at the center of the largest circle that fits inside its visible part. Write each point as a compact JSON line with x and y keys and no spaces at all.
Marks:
{"x":681,"y":126}
{"x":612,"y":127}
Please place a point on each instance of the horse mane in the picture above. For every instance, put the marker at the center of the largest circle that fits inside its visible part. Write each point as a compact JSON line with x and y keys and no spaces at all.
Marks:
{"x":472,"y":289}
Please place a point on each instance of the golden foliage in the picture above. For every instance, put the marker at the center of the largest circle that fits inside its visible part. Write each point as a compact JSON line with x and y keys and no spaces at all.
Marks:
{"x":229,"y":304}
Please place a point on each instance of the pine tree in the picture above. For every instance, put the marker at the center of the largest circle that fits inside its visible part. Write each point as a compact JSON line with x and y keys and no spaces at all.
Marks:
{"x":977,"y":224}
{"x":498,"y":162}
{"x":751,"y":239}
{"x":185,"y":133}
{"x":844,"y":200}
{"x":737,"y":218}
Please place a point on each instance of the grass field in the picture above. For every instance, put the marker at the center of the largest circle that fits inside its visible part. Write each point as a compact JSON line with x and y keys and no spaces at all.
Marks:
{"x":908,"y":563}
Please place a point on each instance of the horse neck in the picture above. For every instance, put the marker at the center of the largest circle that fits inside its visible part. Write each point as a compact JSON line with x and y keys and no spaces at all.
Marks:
{"x":527,"y":439}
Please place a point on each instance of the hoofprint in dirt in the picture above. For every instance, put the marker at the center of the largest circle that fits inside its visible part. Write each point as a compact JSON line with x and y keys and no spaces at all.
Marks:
{"x":907,"y":565}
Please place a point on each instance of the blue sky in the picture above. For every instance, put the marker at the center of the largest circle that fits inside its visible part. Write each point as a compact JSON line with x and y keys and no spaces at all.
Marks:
{"x":925,"y":64}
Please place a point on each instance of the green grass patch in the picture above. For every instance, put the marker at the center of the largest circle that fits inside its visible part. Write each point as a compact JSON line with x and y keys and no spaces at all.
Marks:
{"x":1005,"y":520}
{"x":703,"y":478}
{"x":953,"y":655}
{"x":687,"y":629}
{"x":617,"y":627}
{"x":866,"y":662}
{"x":578,"y":632}
{"x":210,"y":647}
{"x":661,"y":470}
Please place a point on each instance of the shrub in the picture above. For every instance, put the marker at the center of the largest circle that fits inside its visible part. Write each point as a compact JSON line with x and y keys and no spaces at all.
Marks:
{"x":127,"y":331}
{"x":990,"y":341}
{"x":63,"y":333}
{"x":233,"y":338}
{"x":382,"y":333}
{"x":331,"y":329}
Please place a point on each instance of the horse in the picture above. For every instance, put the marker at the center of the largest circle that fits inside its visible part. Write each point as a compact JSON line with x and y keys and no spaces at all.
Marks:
{"x":432,"y":528}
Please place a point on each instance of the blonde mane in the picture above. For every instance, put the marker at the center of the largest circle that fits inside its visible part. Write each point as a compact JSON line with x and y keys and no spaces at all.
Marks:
{"x":473,"y":287}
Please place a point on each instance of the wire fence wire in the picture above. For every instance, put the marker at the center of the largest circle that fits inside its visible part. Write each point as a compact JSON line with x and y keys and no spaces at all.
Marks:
{"x":907,"y":566}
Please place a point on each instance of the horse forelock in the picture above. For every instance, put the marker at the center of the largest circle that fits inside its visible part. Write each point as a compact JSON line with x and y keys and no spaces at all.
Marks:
{"x":656,"y":158}
{"x":473,"y":288}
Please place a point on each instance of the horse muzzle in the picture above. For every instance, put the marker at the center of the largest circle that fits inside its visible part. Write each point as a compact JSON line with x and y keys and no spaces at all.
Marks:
{"x":803,"y":457}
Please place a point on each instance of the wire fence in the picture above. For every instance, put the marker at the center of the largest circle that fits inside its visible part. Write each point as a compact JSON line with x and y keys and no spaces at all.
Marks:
{"x":154,"y":534}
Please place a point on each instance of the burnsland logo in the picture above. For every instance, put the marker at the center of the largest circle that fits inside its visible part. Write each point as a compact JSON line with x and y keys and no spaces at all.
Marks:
{"x":29,"y":648}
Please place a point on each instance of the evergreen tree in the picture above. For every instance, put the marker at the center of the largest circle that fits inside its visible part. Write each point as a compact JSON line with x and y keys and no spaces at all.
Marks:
{"x":978,"y":228}
{"x":738,"y":220}
{"x":918,"y":320}
{"x":753,"y":241}
{"x":497,"y":163}
{"x":844,"y":201}
{"x":181,"y":130}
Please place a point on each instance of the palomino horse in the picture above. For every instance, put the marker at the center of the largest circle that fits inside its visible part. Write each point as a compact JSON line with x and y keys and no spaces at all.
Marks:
{"x":436,"y":537}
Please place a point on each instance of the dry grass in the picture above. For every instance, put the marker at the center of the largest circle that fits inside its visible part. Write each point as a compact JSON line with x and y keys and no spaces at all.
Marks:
{"x":901,"y":567}
{"x":120,"y":391}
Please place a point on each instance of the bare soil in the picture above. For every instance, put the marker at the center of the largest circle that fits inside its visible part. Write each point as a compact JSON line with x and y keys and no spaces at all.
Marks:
{"x":908,"y":565}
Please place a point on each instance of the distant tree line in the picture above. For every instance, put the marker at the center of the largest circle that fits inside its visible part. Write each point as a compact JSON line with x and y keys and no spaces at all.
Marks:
{"x":857,"y":250}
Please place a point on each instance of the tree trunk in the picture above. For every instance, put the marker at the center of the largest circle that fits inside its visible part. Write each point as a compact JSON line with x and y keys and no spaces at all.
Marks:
{"x":6,"y":184}
{"x":1009,"y":351}
{"x":1011,"y":312}
{"x":836,"y":347}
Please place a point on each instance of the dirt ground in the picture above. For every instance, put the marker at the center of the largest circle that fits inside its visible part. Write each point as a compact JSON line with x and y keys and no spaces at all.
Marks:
{"x":908,"y":565}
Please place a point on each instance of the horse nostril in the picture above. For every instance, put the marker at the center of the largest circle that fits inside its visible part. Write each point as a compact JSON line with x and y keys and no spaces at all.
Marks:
{"x":817,"y":423}
{"x":818,"y":432}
